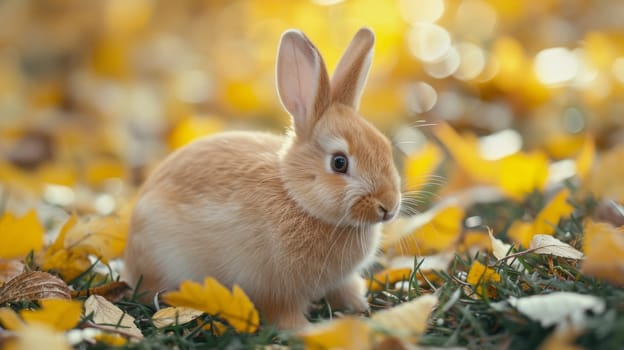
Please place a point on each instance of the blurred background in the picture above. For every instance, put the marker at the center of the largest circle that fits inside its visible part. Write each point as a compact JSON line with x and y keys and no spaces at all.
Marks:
{"x":94,"y":93}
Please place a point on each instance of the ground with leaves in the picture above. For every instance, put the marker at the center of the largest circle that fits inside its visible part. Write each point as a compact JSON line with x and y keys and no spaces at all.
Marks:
{"x":506,"y":117}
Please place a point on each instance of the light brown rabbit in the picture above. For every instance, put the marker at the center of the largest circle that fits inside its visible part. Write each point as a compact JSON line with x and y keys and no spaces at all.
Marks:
{"x":291,"y":219}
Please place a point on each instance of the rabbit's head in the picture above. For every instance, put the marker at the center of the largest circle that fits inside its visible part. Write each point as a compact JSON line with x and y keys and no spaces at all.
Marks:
{"x":337,"y":166}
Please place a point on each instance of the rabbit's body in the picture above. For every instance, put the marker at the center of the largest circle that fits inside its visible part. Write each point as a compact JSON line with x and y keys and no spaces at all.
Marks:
{"x":276,"y":215}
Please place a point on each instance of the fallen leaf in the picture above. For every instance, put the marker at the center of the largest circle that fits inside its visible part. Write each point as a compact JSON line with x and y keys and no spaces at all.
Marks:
{"x":108,"y":316}
{"x":104,"y":237}
{"x":38,"y":336}
{"x":545,"y":222}
{"x":66,"y":262}
{"x":605,"y":177}
{"x":604,"y":252}
{"x":174,"y":315}
{"x":59,"y":314}
{"x":406,"y":321}
{"x":20,"y":236}
{"x":10,"y":320}
{"x":481,"y":276}
{"x":102,"y":168}
{"x":387,"y":277}
{"x":585,"y":158}
{"x":499,"y":249}
{"x":557,"y":208}
{"x":192,"y":128}
{"x":549,"y":245}
{"x":348,"y":333}
{"x":113,"y":291}
{"x":214,"y":299}
{"x":33,"y":285}
{"x":558,"y":308}
{"x":432,"y":232}
{"x":420,"y":165}
{"x":533,"y":167}
{"x":501,"y":172}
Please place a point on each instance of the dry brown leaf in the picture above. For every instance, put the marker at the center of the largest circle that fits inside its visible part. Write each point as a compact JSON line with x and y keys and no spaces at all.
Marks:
{"x":174,"y":315}
{"x":549,"y":245}
{"x":34,"y":285}
{"x":113,"y":291}
{"x":108,"y":316}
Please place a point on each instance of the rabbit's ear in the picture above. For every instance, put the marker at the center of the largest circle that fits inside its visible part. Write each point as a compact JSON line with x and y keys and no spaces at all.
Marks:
{"x":302,"y":81}
{"x":351,"y":72}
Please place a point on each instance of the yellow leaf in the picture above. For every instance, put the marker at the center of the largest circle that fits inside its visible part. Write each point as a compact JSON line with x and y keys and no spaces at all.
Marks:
{"x":111,"y":339}
{"x":20,"y":236}
{"x":604,"y":252}
{"x":348,"y":333}
{"x":605,"y":178}
{"x":10,"y":320}
{"x":548,"y":218}
{"x":521,"y":232}
{"x":585,"y":158}
{"x":521,"y":173}
{"x":58,"y":174}
{"x":103,"y":168}
{"x":39,"y":336}
{"x":419,"y":165}
{"x":214,"y":299}
{"x":59,"y":314}
{"x":480,"y":276}
{"x":545,"y":222}
{"x":408,"y":320}
{"x":69,"y":262}
{"x":104,"y":237}
{"x":439,"y":234}
{"x":504,"y":172}
{"x":389,"y":276}
{"x":193,"y":128}
{"x":465,"y":151}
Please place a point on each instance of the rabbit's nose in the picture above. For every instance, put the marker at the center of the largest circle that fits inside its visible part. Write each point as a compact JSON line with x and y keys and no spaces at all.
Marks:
{"x":385,"y":214}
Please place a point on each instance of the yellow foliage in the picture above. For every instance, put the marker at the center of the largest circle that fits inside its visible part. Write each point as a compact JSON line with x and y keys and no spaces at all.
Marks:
{"x":545,"y":222}
{"x":38,"y":336}
{"x":516,"y":175}
{"x":439,"y":234}
{"x":389,"y":276}
{"x":348,"y":333}
{"x":420,"y":165}
{"x":104,"y":237}
{"x":214,"y":299}
{"x":193,"y":128}
{"x":585,"y":157}
{"x":60,"y":314}
{"x":10,"y":320}
{"x":406,"y":321}
{"x":101,"y":169}
{"x":480,"y":276}
{"x":20,"y":236}
{"x":604,"y":252}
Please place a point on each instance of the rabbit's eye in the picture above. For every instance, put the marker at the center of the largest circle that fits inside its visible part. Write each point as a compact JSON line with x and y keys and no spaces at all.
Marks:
{"x":340,"y":163}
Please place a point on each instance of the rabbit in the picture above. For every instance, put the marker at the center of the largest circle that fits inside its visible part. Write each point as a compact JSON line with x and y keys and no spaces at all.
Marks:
{"x":289,"y":218}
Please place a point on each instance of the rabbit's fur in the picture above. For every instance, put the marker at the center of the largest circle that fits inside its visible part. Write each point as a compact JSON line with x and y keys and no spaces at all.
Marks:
{"x":269,"y":212}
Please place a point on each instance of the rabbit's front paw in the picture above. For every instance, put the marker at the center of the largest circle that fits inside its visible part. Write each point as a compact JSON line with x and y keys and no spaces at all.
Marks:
{"x":351,"y":295}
